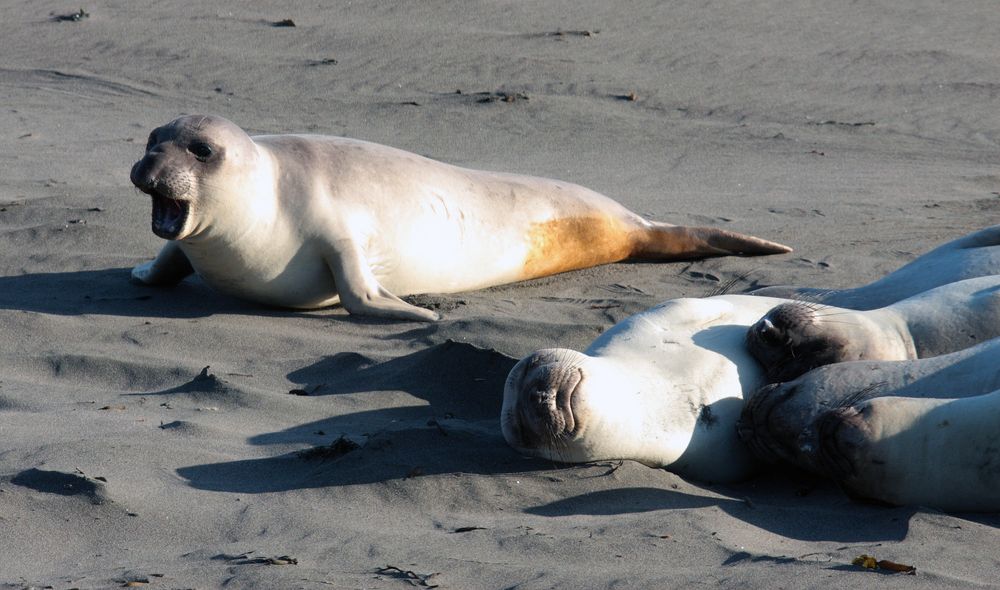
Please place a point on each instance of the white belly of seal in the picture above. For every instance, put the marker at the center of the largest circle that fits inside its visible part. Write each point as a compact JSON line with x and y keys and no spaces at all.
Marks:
{"x":300,"y":280}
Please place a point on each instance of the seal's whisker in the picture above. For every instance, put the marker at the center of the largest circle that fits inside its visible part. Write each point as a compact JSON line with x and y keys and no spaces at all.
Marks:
{"x":728,"y":286}
{"x":861,"y":395}
{"x":843,"y":322}
{"x":814,"y":306}
{"x":829,"y":311}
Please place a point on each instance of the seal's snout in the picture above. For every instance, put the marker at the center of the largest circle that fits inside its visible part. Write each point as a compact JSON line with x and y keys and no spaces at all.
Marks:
{"x":770,"y":424}
{"x":753,"y":419}
{"x":539,"y":400}
{"x":838,"y":432}
{"x":141,"y":178}
{"x":780,"y":339}
{"x":767,"y":332}
{"x":158,"y":181}
{"x":773,"y":330}
{"x":167,"y":187}
{"x":548,"y":393}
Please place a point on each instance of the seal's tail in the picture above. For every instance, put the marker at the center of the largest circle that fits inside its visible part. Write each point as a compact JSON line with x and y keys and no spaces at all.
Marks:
{"x":676,"y":242}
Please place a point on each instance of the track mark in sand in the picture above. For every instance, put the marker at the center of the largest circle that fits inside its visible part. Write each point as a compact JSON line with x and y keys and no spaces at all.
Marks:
{"x":415,"y":579}
{"x":623,"y":289}
{"x":334,"y":450}
{"x":796,"y":212}
{"x":561,"y":35}
{"x":79,"y":83}
{"x":845,"y":124}
{"x":72,"y":17}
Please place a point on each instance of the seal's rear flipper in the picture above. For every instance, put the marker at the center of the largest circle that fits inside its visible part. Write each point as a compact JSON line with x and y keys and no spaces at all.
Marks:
{"x":983,"y":238}
{"x":678,"y":242}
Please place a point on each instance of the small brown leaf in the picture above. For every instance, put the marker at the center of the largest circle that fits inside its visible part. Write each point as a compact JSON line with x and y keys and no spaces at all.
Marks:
{"x":900,"y":568}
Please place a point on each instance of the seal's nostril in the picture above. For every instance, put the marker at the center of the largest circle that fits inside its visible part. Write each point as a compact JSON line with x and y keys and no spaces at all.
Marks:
{"x":768,"y":332}
{"x":537,"y":395}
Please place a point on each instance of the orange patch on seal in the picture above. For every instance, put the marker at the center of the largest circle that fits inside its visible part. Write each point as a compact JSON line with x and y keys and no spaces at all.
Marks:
{"x":572,"y":243}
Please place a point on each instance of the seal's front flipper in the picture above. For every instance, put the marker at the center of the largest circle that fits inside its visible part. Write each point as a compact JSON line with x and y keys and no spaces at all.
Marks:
{"x":169,"y":267}
{"x":360,"y":292}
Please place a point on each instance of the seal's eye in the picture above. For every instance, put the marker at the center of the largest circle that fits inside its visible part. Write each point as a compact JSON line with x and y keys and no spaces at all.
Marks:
{"x":151,"y":141}
{"x":202,"y":151}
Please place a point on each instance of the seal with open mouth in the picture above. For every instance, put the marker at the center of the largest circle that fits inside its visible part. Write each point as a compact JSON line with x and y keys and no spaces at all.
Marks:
{"x":307,"y":221}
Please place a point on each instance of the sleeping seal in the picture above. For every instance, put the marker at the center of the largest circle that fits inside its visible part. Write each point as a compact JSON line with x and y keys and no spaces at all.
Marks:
{"x":795,"y":337}
{"x":943,"y":453}
{"x":663,"y":387}
{"x":778,"y":422}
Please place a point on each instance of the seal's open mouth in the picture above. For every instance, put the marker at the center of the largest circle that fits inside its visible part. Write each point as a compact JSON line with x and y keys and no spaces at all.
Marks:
{"x":169,"y":216}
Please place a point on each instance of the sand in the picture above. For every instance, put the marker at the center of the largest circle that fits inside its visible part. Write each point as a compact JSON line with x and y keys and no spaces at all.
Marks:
{"x":150,"y":437}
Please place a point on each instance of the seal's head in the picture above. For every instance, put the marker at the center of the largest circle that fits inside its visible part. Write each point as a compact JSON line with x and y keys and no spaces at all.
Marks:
{"x":570,"y":407}
{"x":794,"y":338}
{"x":182,"y":171}
{"x":538,"y":416}
{"x":765,"y":425}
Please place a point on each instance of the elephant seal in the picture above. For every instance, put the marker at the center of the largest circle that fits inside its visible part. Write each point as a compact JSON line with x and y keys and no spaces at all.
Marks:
{"x":778,"y":422}
{"x":796,"y":337}
{"x":974,"y":255}
{"x":663,"y":387}
{"x":942,"y":453}
{"x":305,"y":221}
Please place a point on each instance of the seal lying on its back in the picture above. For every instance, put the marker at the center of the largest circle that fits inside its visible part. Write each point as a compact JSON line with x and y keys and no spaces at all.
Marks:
{"x":308,"y":221}
{"x":666,"y":386}
{"x":796,"y":337}
{"x":779,"y":421}
{"x":663,"y":387}
{"x":973,"y":255}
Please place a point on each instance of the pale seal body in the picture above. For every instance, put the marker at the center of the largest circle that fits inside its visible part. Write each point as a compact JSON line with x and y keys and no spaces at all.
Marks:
{"x":796,"y":337}
{"x":943,"y":453}
{"x":778,"y":422}
{"x":974,"y":255}
{"x":308,"y":221}
{"x":663,"y":387}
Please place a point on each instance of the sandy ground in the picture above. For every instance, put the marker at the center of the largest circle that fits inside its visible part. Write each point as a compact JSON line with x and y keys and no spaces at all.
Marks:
{"x":862,"y":134}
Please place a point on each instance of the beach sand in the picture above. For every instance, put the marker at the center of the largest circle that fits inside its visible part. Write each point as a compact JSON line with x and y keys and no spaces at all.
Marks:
{"x":149,"y":437}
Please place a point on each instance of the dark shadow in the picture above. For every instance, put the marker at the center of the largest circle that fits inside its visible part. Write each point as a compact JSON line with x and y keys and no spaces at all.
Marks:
{"x":818,"y":516}
{"x":622,"y":501}
{"x":364,"y":424}
{"x":455,"y":378}
{"x":445,"y":448}
{"x":203,"y":388}
{"x":489,"y":332}
{"x":457,"y":431}
{"x":110,"y":292}
{"x":63,"y":484}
